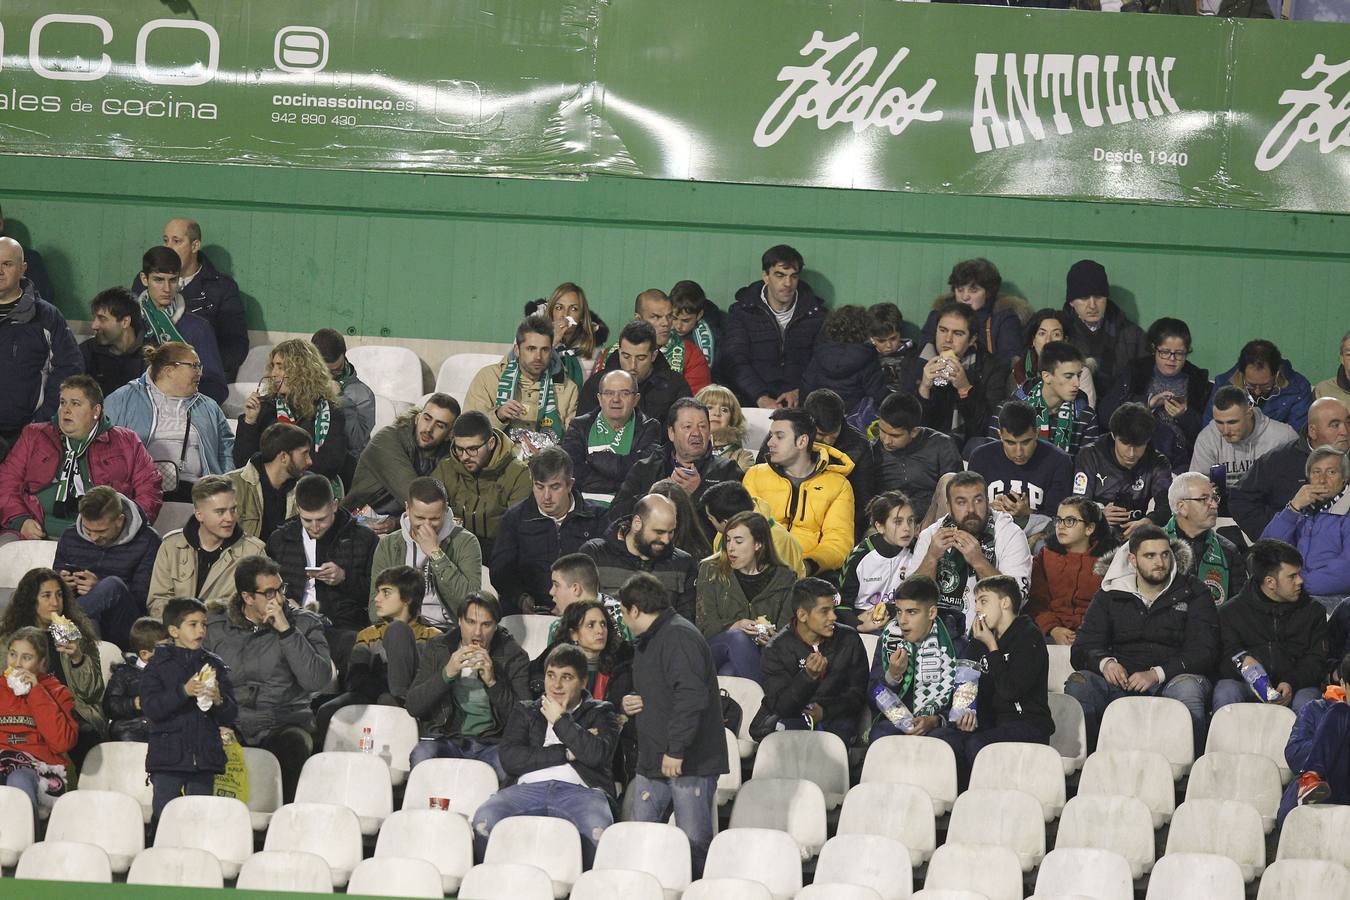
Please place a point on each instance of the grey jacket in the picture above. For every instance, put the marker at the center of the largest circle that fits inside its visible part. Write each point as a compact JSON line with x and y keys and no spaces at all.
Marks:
{"x":431,"y":699}
{"x":359,"y":401}
{"x":453,"y":573}
{"x":915,"y":470}
{"x":1212,"y":451}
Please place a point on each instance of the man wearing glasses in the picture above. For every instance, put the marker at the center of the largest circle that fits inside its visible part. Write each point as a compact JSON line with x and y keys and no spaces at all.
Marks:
{"x":482,"y":476}
{"x":1238,"y":433}
{"x":1215,"y":560}
{"x":604,"y":444}
{"x":639,"y":352}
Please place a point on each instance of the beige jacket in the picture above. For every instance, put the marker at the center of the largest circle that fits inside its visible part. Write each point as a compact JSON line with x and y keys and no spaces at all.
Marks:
{"x":248,"y":495}
{"x":175,"y":572}
{"x":482,"y":396}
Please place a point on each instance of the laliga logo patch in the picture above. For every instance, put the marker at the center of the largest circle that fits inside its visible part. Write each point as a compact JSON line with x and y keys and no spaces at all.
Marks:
{"x":1080,"y":483}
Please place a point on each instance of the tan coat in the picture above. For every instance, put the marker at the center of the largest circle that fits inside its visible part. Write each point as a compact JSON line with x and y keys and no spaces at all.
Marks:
{"x":175,"y":572}
{"x":482,"y":396}
{"x":248,"y":496}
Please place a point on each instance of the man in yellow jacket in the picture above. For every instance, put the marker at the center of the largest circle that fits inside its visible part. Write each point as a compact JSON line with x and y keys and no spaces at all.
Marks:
{"x":805,"y":486}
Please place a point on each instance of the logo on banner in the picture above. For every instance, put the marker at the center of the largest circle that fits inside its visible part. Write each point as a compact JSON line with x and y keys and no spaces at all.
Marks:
{"x":301,"y":48}
{"x":1315,"y":116}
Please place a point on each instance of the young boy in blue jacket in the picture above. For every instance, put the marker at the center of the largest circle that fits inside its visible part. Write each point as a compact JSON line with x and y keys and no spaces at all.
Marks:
{"x":187,"y":696}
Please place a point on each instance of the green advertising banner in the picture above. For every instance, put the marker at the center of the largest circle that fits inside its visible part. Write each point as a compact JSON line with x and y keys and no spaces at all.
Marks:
{"x":869,"y":94}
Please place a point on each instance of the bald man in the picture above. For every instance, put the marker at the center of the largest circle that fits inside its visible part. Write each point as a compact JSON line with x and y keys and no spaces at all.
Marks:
{"x":207,"y":292}
{"x":37,"y":270}
{"x":37,"y":350}
{"x":645,"y":542}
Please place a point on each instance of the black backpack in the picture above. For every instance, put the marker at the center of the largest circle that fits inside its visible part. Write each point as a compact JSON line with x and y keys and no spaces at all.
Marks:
{"x":731,"y":713}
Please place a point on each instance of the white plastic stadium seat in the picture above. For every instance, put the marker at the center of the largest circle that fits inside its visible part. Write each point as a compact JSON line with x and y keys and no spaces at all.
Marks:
{"x":1141,"y":774}
{"x":549,"y":844}
{"x":236,"y":395}
{"x":458,"y":370}
{"x":219,"y":825}
{"x":1150,"y":723}
{"x":358,"y":781}
{"x":1299,"y":879}
{"x":176,"y":867}
{"x":104,"y":818}
{"x":924,"y":761}
{"x":1060,"y":668}
{"x":878,"y":863}
{"x":17,"y":557}
{"x":1316,"y":832}
{"x":119,"y":766}
{"x":1195,"y":876}
{"x":869,"y":642}
{"x":387,"y":410}
{"x":727,"y":889}
{"x":1261,"y":728}
{"x":64,"y":861}
{"x":395,"y":876}
{"x":729,"y":782}
{"x":656,"y":848}
{"x":1033,"y":768}
{"x":109,"y":655}
{"x":393,"y":372}
{"x":756,"y":854}
{"x":530,"y":632}
{"x":792,"y":805}
{"x":442,"y":838}
{"x":1098,"y":874}
{"x":173,"y":516}
{"x":1222,"y":827}
{"x":331,"y":832}
{"x":506,"y":881}
{"x":991,"y":871}
{"x":817,"y":756}
{"x":941,"y":894}
{"x":286,"y":870}
{"x":466,"y":783}
{"x":264,"y":786}
{"x":1104,"y":822}
{"x":1246,"y":777}
{"x":902,"y":812}
{"x":393,"y":730}
{"x":1070,"y":736}
{"x":749,"y":695}
{"x":611,"y":884}
{"x":837,"y":890}
{"x":756,"y":426}
{"x":1006,"y":818}
{"x":16,"y":834}
{"x":254,"y":366}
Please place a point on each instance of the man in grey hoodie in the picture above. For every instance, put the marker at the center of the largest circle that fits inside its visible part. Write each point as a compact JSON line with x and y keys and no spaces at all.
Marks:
{"x":1235,"y":437}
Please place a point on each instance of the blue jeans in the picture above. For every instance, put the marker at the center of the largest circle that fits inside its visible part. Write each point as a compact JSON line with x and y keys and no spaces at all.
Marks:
{"x":1094,"y":693}
{"x":458,"y":748}
{"x":168,"y":785}
{"x":692,"y":797}
{"x":586,"y":808}
{"x":735,"y":653}
{"x":1231,"y":690}
{"x":26,"y":780}
{"x":112,"y":609}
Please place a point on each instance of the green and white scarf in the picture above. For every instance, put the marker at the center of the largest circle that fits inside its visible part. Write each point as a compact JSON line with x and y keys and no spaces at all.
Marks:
{"x":704,"y":339}
{"x":1056,"y":427}
{"x":673,"y":351}
{"x":932,"y":667}
{"x":570,"y":364}
{"x":547,"y":418}
{"x":159,"y":321}
{"x":953,"y":571}
{"x":323,"y":418}
{"x":1213,"y":568}
{"x":603,"y":437}
{"x":346,"y":375}
{"x":69,"y":480}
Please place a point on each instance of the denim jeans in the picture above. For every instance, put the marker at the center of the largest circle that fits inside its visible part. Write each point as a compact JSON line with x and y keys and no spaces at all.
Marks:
{"x":1094,"y":693}
{"x":1231,"y":690}
{"x":586,"y":808}
{"x":735,"y":653}
{"x":24,"y":779}
{"x":168,"y":785}
{"x":112,"y":609}
{"x":458,"y":748}
{"x":692,"y":797}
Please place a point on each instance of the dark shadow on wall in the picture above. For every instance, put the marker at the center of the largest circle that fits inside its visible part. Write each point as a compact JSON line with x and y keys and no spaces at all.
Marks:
{"x":820,"y":284}
{"x":224,"y":262}
{"x":1124,"y":299}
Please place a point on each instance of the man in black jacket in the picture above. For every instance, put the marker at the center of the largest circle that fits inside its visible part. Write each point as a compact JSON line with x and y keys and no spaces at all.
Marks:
{"x":832,"y":429}
{"x":114,"y":356}
{"x":681,"y":744}
{"x":688,"y":461}
{"x":644,"y":543}
{"x":909,"y":457}
{"x":815,"y":670}
{"x":1151,"y":629}
{"x":1124,"y":472}
{"x":560,"y":751}
{"x":1098,"y":327}
{"x":605,"y":443}
{"x":639,"y":356}
{"x":959,"y":385}
{"x":1215,"y":560}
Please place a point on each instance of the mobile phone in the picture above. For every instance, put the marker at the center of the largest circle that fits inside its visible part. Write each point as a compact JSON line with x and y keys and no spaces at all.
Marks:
{"x":313,"y":570}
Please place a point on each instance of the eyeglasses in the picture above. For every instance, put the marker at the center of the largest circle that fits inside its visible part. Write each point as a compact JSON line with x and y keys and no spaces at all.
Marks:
{"x":621,"y":395}
{"x":1068,"y":521}
{"x":1173,"y":354}
{"x":275,"y":593}
{"x":468,"y":451}
{"x":195,"y":366}
{"x":1211,"y":499}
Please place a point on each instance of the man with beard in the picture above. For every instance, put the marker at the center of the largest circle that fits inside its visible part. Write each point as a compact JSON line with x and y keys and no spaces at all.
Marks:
{"x":645,"y":543}
{"x":114,"y":355}
{"x":1150,"y":630}
{"x":969,"y":543}
{"x":688,"y":461}
{"x":482,"y":476}
{"x":410,"y":448}
{"x":528,"y":392}
{"x":265,"y":485}
{"x":1214,"y":559}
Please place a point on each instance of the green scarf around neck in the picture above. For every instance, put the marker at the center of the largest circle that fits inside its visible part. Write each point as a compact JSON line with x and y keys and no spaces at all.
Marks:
{"x":953,"y":571}
{"x":160,"y":321}
{"x":547,"y":418}
{"x":323,"y":418}
{"x":704,"y":339}
{"x":1213,"y":567}
{"x":69,"y":482}
{"x":1057,"y":426}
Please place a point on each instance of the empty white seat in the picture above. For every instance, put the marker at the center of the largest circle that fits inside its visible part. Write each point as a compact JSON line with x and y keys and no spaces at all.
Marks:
{"x":1245,"y":777}
{"x":358,"y":781}
{"x":758,"y":854}
{"x":236,"y":395}
{"x":1160,"y":724}
{"x":817,"y":756}
{"x":176,"y":867}
{"x":837,"y":890}
{"x":506,"y":881}
{"x":902,"y":812}
{"x":656,"y":848}
{"x":941,"y":894}
{"x":264,"y":786}
{"x":391,"y":728}
{"x":1195,"y":876}
{"x":442,"y":838}
{"x":1094,"y":873}
{"x":923,"y":761}
{"x":729,"y":782}
{"x":16,"y":834}
{"x":1141,"y":774}
{"x":1316,"y":832}
{"x":109,"y":655}
{"x":610,"y":884}
{"x":531,"y":632}
{"x":393,"y":372}
{"x":118,"y":766}
{"x":64,"y":861}
{"x":869,"y":642}
{"x":173,"y":516}
{"x":1008,"y":818}
{"x":1299,"y":879}
{"x":1070,"y":735}
{"x":332,"y":832}
{"x":219,"y":825}
{"x":749,"y":695}
{"x":1260,"y":728}
{"x":286,"y":870}
{"x":466,"y":783}
{"x":549,"y":844}
{"x":872,"y":861}
{"x":1060,"y":668}
{"x":255,"y":364}
{"x":396,"y":876}
{"x":993,"y":872}
{"x":104,"y":818}
{"x":1107,"y":822}
{"x":792,"y":805}
{"x":17,"y":557}
{"x":727,"y":889}
{"x":756,"y":426}
{"x":458,"y":370}
{"x":1221,"y":827}
{"x":1033,"y":768}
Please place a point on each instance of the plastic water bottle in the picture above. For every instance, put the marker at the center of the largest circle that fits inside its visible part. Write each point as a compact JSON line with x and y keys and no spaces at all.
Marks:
{"x":1257,"y":679}
{"x":895,"y":711}
{"x":367,"y":743}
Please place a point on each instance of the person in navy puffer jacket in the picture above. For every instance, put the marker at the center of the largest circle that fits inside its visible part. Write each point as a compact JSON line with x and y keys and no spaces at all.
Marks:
{"x":844,"y":360}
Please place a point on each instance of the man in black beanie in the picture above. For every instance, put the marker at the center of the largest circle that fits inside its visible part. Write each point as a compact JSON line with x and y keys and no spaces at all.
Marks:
{"x":1097,"y":327}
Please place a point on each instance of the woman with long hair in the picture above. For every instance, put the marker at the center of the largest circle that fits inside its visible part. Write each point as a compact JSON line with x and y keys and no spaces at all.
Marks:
{"x":1063,"y":574}
{"x":880,"y":562}
{"x":575,"y":329}
{"x":37,"y":720}
{"x":728,"y":425}
{"x":298,"y":389}
{"x":691,"y":527}
{"x":1044,"y":326}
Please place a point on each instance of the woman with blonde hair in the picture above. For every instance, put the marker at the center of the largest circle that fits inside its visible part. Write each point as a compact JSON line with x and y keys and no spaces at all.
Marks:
{"x":728,"y":425}
{"x":300,"y":390}
{"x":575,"y":329}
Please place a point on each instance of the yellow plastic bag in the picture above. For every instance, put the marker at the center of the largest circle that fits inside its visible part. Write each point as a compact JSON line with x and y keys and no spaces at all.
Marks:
{"x":233,"y":782}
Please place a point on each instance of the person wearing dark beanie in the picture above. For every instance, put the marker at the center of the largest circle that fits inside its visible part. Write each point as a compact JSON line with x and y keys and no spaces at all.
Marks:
{"x":1097,"y":326}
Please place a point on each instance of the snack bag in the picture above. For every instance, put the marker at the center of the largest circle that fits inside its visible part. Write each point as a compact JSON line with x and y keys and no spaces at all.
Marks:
{"x":233,"y":782}
{"x":967,"y":688}
{"x":207,"y":676}
{"x":12,"y":678}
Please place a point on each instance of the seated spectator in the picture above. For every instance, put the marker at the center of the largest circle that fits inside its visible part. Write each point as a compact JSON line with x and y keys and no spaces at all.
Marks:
{"x":1235,"y":437}
{"x":1125,"y":472}
{"x":644,"y":543}
{"x":969,"y":543}
{"x":468,"y":681}
{"x":1276,"y":476}
{"x":482,"y":476}
{"x":106,"y":559}
{"x":53,"y":465}
{"x":1063,"y":416}
{"x":815,"y":669}
{"x":1064,"y":576}
{"x":1317,"y":522}
{"x":275,"y":672}
{"x":833,"y":430}
{"x":36,"y":344}
{"x":771,"y":332}
{"x":299,"y":391}
{"x":824,"y":526}
{"x":1046,"y":326}
{"x":36,"y":267}
{"x":577,"y":331}
{"x":605,"y":443}
{"x":265,"y":485}
{"x":1278,"y":391}
{"x":1215,"y":560}
{"x":38,"y":725}
{"x":1307,"y":737}
{"x":528,"y":392}
{"x":358,"y":400}
{"x":596,"y":627}
{"x":887,"y":332}
{"x":911,"y":458}
{"x":728,"y":425}
{"x":1272,"y":621}
{"x":410,"y":448}
{"x":639,"y":354}
{"x":914,"y":660}
{"x":199,"y":559}
{"x":845,"y":362}
{"x":1011,"y":703}
{"x":552,"y":521}
{"x":879,"y":564}
{"x":1338,"y":385}
{"x":165,"y":318}
{"x":185,"y":432}
{"x":1027,"y":475}
{"x":430,"y":541}
{"x":727,"y":498}
{"x":1097,"y":327}
{"x":575,"y":579}
{"x":958,"y":383}
{"x":122,"y":697}
{"x":682,"y":353}
{"x":114,"y":356}
{"x":1175,"y":390}
{"x":1150,"y":630}
{"x":743,"y":596}
{"x":688,"y":460}
{"x":1232,"y":9}
{"x":695,"y":318}
{"x":977,"y":283}
{"x":691,"y":531}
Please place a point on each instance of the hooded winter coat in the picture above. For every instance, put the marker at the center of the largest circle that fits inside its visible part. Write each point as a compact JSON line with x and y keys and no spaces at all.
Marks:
{"x":347,"y":543}
{"x":1289,"y":639}
{"x":722,"y":601}
{"x":1324,"y":540}
{"x":431,"y":698}
{"x":1098,"y":476}
{"x":40,"y":353}
{"x":175,"y":570}
{"x":183,"y":738}
{"x":452,"y":573}
{"x":132,"y":407}
{"x":1215,"y":457}
{"x":677,"y":572}
{"x":130,"y":557}
{"x":762,"y":359}
{"x":1062,"y":586}
{"x":481,"y":498}
{"x":819,"y":512}
{"x":1287,"y":403}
